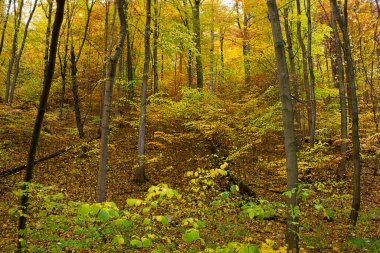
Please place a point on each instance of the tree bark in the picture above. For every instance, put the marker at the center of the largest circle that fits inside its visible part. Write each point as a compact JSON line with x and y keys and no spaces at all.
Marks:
{"x":130,"y":75}
{"x":221,"y":43}
{"x":48,"y":14}
{"x":140,"y":173}
{"x":313,"y":106}
{"x":38,"y":122}
{"x":288,"y":122}
{"x":155,"y":48}
{"x":5,"y":26}
{"x":197,"y":37}
{"x":212,"y":60}
{"x":305,"y":71}
{"x":17,"y":24}
{"x":19,"y":54}
{"x":74,"y":70}
{"x":63,"y":62}
{"x":293,"y":69}
{"x":350,"y":74}
{"x":111,"y":73}
{"x":338,"y":77}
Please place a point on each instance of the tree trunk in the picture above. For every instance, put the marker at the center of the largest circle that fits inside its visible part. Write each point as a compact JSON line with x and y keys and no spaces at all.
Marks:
{"x":5,"y":26}
{"x":212,"y":60}
{"x":288,"y":122}
{"x":293,"y":69}
{"x":190,"y":70}
{"x":110,"y":80}
{"x":17,"y":21}
{"x":155,"y":48}
{"x":246,"y":51}
{"x":338,"y":77}
{"x":130,"y":76}
{"x":313,"y":107}
{"x":38,"y":123}
{"x":197,"y":33}
{"x":350,"y":73}
{"x":140,"y":173}
{"x":118,"y":86}
{"x":63,"y":62}
{"x":74,"y":70}
{"x":48,"y":14}
{"x":19,"y":55}
{"x":104,"y":73}
{"x":305,"y":72}
{"x":74,"y":89}
{"x":221,"y":43}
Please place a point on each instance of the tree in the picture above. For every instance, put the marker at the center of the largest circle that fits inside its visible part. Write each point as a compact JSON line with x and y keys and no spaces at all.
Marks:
{"x":292,"y":67}
{"x":48,"y":14}
{"x":63,"y":60}
{"x":5,"y":26}
{"x":155,"y":47}
{"x":17,"y":24}
{"x":338,"y":77}
{"x":313,"y":109}
{"x":74,"y":62}
{"x":195,"y":5}
{"x":110,"y":80}
{"x":305,"y":72}
{"x":247,"y":23}
{"x":288,"y":123}
{"x":350,"y":75}
{"x":39,"y":119}
{"x":140,"y":173}
{"x":20,"y":52}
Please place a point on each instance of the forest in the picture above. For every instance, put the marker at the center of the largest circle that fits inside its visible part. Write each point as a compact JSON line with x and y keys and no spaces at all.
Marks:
{"x":189,"y":126}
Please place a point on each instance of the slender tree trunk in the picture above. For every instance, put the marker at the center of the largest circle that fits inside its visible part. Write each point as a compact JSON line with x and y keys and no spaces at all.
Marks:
{"x":221,"y":44}
{"x":38,"y":123}
{"x":48,"y":14}
{"x":155,"y":48}
{"x":175,"y":74}
{"x":190,"y":70}
{"x":63,"y":62}
{"x":140,"y":173}
{"x":118,"y":85}
{"x":130,"y":76}
{"x":104,"y":73}
{"x":162,"y":65}
{"x":212,"y":60}
{"x":293,"y":69}
{"x":5,"y":26}
{"x":74,"y":87}
{"x":246,"y":52}
{"x":338,"y":77}
{"x":288,"y":122}
{"x":212,"y":48}
{"x":111,"y":73}
{"x":305,"y":72}
{"x":19,"y":54}
{"x":74,"y":70}
{"x":17,"y":24}
{"x":368,"y":71}
{"x":313,"y":106}
{"x":350,"y":73}
{"x":197,"y":33}
{"x":326,"y":54}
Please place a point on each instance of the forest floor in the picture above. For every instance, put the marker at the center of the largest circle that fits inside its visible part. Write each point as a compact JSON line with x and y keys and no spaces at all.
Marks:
{"x":173,"y":149}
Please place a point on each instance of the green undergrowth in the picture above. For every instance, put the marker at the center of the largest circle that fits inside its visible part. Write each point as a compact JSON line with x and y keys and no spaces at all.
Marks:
{"x":164,"y":220}
{"x":202,"y":218}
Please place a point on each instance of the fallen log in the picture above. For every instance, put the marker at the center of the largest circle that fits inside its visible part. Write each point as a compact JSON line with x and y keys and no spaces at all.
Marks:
{"x":14,"y":170}
{"x":22,"y":167}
